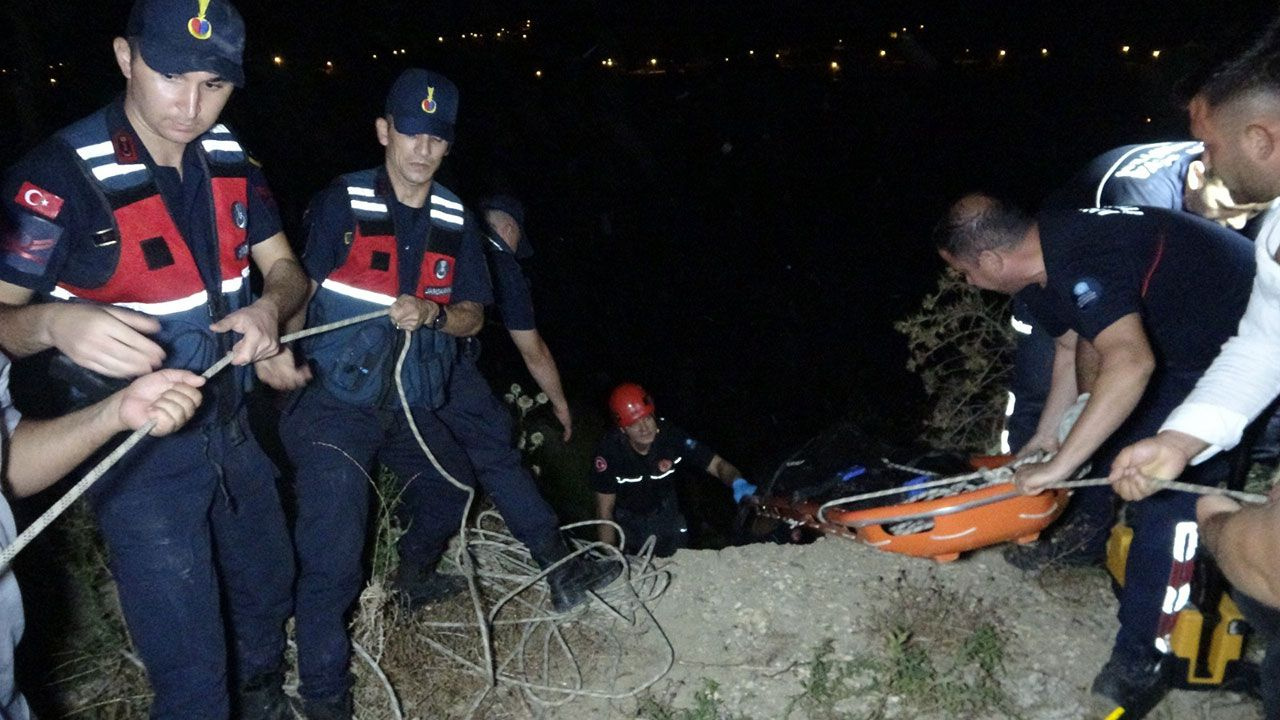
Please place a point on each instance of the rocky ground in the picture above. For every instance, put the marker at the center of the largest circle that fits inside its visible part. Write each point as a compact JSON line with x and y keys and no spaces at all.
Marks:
{"x":750,"y":620}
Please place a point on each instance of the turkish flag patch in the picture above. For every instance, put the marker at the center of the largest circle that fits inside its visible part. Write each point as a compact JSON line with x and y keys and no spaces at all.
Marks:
{"x":601,"y":465}
{"x":38,"y":200}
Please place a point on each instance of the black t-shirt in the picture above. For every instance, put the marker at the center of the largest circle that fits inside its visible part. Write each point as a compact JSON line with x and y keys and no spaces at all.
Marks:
{"x":510,"y":286}
{"x":642,"y":481}
{"x":1188,"y":278}
{"x":1151,"y":174}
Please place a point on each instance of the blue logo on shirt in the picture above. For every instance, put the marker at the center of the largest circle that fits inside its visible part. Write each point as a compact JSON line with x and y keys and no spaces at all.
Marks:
{"x":1086,"y":292}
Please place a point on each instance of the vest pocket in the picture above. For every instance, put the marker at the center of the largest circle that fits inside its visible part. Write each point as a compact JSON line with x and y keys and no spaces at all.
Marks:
{"x":360,"y":363}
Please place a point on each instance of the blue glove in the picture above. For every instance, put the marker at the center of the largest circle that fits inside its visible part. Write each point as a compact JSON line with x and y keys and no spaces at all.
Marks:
{"x":741,"y":489}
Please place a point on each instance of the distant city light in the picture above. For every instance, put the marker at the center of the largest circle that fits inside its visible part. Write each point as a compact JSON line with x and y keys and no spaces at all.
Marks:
{"x":1002,"y":53}
{"x":835,"y":66}
{"x":524,"y":36}
{"x":278,"y":60}
{"x":883,"y":53}
{"x":777,"y":56}
{"x":751,"y":52}
{"x":53,"y":81}
{"x":1148,"y":120}
{"x":1124,"y":49}
{"x":1155,"y":53}
{"x":328,"y":65}
{"x":653,"y":62}
{"x":439,"y":38}
{"x":1044,"y":52}
{"x":922,"y":27}
{"x":375,"y":56}
{"x":537,"y":73}
{"x":893,"y":35}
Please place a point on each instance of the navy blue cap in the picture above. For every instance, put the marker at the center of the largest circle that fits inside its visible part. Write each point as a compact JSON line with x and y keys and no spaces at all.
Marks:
{"x":181,"y":36}
{"x":423,"y":102}
{"x":514,"y":208}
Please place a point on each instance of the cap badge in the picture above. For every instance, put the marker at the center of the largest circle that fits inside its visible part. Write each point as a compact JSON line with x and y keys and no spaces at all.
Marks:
{"x":200,"y":28}
{"x":429,"y":105}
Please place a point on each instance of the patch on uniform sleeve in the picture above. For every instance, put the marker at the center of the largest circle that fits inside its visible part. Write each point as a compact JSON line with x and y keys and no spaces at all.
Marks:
{"x":1087,"y":291}
{"x":601,"y":465}
{"x":38,"y":200}
{"x":28,"y":244}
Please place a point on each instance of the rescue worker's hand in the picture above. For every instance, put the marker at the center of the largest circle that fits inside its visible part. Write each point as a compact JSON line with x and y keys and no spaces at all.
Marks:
{"x":411,"y":313}
{"x":259,"y":324}
{"x":1046,"y":441}
{"x":1035,"y":478}
{"x":170,"y":397}
{"x":282,"y":371}
{"x":565,"y":418}
{"x":105,"y":339}
{"x":742,"y":489}
{"x":1155,"y":458}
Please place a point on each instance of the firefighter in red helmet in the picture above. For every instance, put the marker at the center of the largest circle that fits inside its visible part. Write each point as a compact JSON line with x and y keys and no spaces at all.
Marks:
{"x":635,"y":473}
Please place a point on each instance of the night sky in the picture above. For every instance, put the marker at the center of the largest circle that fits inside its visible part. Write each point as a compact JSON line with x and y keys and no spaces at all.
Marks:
{"x":719,"y":212}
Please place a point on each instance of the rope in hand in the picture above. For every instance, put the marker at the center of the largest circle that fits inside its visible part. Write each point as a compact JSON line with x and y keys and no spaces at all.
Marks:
{"x":9,"y":553}
{"x":1005,"y":474}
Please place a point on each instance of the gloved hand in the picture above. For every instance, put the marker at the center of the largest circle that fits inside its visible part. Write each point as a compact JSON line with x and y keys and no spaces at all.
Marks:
{"x":741,"y":489}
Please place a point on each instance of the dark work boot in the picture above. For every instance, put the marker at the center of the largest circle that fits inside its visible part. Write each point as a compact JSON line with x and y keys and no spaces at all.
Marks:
{"x":334,"y":708}
{"x":570,"y":582}
{"x":1135,"y":682}
{"x":263,"y":698}
{"x":415,"y":586}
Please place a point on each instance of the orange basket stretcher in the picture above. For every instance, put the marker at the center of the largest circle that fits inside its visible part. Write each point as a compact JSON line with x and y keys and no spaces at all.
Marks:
{"x":939,"y":528}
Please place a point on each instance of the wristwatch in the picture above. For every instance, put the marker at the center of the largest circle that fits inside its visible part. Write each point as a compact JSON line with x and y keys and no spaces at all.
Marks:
{"x":441,"y":318}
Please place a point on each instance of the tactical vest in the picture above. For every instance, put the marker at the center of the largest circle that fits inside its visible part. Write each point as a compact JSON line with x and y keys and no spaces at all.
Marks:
{"x":153,"y":268}
{"x":356,"y":364}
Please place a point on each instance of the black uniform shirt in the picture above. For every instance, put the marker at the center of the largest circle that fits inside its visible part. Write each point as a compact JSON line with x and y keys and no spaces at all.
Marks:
{"x":510,"y":286}
{"x":1188,"y":278}
{"x":641,"y":482}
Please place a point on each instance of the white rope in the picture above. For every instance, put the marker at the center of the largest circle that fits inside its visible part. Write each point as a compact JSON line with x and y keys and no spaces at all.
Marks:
{"x":1005,"y":473}
{"x":48,"y":516}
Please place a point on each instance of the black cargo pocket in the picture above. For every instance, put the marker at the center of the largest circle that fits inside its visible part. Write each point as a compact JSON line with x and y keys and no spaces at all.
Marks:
{"x":359,"y":365}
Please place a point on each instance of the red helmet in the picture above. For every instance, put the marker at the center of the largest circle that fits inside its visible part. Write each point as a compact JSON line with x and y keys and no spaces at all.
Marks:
{"x":629,"y":402}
